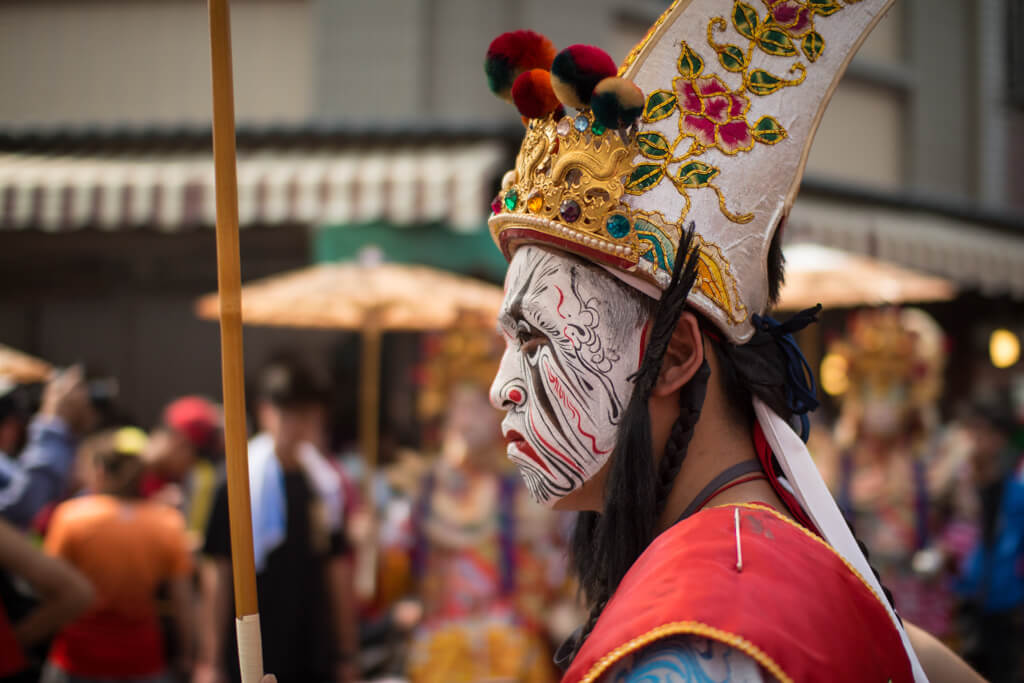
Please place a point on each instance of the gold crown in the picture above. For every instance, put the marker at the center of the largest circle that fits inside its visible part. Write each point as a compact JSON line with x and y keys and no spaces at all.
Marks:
{"x":567,"y":190}
{"x":894,"y":346}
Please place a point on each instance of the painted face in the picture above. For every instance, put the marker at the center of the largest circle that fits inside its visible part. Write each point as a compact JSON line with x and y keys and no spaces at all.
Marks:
{"x":574,"y":336}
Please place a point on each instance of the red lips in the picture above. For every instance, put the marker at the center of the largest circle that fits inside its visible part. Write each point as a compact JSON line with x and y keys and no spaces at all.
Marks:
{"x":514,"y":437}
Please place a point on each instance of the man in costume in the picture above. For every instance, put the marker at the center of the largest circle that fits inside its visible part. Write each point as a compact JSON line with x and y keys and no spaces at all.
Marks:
{"x":641,"y":384}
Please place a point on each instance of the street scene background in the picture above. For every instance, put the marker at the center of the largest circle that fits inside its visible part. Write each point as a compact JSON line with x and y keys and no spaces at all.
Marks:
{"x":369,"y":151}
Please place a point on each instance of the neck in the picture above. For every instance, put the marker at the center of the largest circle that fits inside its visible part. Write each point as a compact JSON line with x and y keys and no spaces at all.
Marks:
{"x":718,"y":443}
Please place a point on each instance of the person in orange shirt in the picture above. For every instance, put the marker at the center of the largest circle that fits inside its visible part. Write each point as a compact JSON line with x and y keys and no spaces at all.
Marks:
{"x":127,"y":547}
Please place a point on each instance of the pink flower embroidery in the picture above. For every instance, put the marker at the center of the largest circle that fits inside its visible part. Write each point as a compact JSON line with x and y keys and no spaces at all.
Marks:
{"x":790,"y":16}
{"x":714,"y":116}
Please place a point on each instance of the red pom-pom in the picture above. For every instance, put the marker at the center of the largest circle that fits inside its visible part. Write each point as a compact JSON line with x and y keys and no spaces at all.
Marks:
{"x":616,"y":102}
{"x":533,"y":95}
{"x":575,"y":72}
{"x":513,"y":53}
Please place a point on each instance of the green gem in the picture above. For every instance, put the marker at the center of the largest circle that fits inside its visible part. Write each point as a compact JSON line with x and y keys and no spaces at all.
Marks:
{"x":511,"y":199}
{"x":597,"y":129}
{"x":617,"y":225}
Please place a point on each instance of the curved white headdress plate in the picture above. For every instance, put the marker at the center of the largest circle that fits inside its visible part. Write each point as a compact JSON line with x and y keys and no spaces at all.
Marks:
{"x":735,"y":91}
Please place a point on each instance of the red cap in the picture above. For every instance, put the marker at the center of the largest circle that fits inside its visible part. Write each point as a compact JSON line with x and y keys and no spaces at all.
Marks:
{"x":197,"y":419}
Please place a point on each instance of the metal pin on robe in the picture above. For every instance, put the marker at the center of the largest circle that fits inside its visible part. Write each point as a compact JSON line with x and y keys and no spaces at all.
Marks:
{"x":739,"y":548}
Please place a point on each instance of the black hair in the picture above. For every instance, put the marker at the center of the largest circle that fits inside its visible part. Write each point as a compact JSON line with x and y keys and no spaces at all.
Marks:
{"x":8,"y":405}
{"x":122,"y":471}
{"x":286,"y":382}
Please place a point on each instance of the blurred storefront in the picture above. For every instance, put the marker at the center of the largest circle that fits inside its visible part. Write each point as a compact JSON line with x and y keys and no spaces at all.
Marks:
{"x":366,"y":123}
{"x":123,"y":223}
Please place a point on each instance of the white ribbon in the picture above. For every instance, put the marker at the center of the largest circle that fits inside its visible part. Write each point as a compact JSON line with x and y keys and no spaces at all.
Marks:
{"x":811,"y":492}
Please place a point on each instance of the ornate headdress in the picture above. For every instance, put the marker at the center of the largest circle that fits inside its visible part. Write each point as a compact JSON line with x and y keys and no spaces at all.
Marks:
{"x":708,"y":120}
{"x":890,"y":345}
{"x":731,"y":96}
{"x":885,"y":349}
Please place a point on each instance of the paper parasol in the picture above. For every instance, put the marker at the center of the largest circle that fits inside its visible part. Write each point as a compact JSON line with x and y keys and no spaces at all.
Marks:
{"x":837,"y":279}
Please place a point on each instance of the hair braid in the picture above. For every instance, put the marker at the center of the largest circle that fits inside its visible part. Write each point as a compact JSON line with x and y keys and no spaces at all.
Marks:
{"x":691,"y":399}
{"x":885,"y":589}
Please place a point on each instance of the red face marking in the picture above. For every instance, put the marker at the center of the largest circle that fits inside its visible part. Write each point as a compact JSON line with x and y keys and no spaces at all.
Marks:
{"x":515,"y":396}
{"x":562,"y":456}
{"x":643,"y":343}
{"x":573,"y":412}
{"x":561,"y":300}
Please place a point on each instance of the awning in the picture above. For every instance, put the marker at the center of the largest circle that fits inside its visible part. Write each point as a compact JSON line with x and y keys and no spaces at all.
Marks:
{"x":971,"y":253}
{"x":448,"y":183}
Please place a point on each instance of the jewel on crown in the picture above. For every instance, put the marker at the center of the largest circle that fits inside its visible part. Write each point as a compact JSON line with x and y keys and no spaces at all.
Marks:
{"x":570,"y":170}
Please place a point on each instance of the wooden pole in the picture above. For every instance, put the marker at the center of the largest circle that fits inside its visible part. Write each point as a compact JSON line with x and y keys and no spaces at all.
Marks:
{"x":369,"y":443}
{"x":369,"y":408}
{"x":229,"y":282}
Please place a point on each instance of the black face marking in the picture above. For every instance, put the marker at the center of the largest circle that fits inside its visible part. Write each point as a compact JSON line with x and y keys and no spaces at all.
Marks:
{"x":571,"y":349}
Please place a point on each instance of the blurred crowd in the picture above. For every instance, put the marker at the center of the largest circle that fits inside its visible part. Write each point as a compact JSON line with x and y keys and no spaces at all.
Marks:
{"x":115,"y":551}
{"x":115,"y":548}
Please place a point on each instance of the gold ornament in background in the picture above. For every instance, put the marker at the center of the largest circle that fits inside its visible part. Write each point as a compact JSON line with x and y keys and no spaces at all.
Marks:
{"x":468,"y":353}
{"x":885,"y":347}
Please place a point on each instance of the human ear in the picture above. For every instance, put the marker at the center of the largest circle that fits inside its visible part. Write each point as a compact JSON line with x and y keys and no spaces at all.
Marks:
{"x":683,"y":357}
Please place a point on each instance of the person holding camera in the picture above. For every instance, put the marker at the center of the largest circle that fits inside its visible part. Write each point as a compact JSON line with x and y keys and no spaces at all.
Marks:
{"x":40,"y":474}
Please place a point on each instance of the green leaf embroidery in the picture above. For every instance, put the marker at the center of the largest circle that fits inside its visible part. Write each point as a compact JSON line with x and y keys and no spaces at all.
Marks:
{"x":744,"y":18}
{"x":824,"y":7}
{"x":732,"y":58}
{"x":813,"y":45}
{"x":660,"y":104}
{"x":644,"y":177}
{"x":690,"y":64}
{"x":696,"y":174}
{"x":768,"y":131}
{"x":776,"y":42}
{"x":760,"y":82}
{"x":653,"y":145}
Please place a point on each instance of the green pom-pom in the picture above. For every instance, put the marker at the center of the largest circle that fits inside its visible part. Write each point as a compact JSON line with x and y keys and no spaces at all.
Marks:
{"x":616,"y":102}
{"x":576,"y":70}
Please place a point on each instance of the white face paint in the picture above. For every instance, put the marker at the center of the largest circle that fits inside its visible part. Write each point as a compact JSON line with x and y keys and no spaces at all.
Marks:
{"x":574,"y":336}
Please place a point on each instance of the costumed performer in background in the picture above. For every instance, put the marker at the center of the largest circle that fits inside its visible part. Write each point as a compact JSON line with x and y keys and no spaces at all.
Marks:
{"x":886,"y":473}
{"x":484,"y":556}
{"x":641,"y":383}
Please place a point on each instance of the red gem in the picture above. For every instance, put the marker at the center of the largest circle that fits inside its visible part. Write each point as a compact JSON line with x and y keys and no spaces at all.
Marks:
{"x":496,"y":204}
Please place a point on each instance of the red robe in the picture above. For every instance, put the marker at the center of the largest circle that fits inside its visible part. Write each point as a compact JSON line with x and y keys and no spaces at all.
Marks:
{"x":796,"y":607}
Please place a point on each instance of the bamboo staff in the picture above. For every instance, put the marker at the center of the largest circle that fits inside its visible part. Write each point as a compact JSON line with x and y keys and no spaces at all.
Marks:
{"x":229,"y":282}
{"x":369,"y":428}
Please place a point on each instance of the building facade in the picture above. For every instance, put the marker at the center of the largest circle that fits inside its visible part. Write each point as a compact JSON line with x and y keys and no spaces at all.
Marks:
{"x":105,"y":181}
